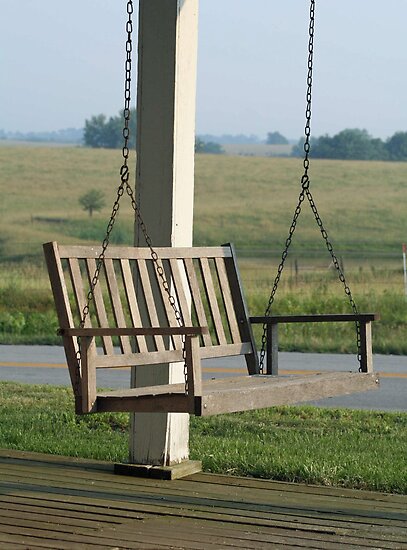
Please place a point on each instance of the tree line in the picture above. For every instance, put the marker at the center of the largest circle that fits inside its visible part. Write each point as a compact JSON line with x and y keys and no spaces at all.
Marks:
{"x":356,"y":144}
{"x":349,"y":144}
{"x":103,"y":132}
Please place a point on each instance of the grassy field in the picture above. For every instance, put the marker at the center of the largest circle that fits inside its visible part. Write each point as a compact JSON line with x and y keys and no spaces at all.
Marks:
{"x":245,"y":200}
{"x":257,"y":150}
{"x":248,"y":201}
{"x":360,"y":449}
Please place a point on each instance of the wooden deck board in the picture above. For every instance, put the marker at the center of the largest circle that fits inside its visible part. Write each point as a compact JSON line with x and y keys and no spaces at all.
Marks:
{"x":59,"y":502}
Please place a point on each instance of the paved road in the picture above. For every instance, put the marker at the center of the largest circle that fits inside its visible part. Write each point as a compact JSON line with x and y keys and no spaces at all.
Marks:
{"x":46,"y":365}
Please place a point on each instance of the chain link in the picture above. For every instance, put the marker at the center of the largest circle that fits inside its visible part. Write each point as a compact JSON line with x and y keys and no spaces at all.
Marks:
{"x":306,"y":193}
{"x":125,"y":186}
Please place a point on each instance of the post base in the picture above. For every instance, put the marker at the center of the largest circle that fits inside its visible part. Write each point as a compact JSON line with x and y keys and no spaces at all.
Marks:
{"x":177,"y":471}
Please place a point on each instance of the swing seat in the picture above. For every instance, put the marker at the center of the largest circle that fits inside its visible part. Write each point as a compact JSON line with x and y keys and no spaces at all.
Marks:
{"x":132,"y":324}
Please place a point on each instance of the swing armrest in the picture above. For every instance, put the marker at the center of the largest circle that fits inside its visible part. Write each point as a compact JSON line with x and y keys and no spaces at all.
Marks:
{"x":88,"y":374}
{"x":151,"y":331}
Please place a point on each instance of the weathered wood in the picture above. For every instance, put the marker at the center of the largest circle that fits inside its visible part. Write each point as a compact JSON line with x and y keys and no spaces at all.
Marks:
{"x":272,"y":349}
{"x":366,"y":359}
{"x":134,"y":308}
{"x":137,"y":359}
{"x":99,"y":305}
{"x":318,"y":318}
{"x":168,"y":310}
{"x":364,"y":319}
{"x":241,"y":311}
{"x":62,"y":502}
{"x":150,"y":331}
{"x":151,"y":307}
{"x":227,"y":299}
{"x":64,"y":313}
{"x":117,"y":307}
{"x":180,"y":281}
{"x":212,"y":300}
{"x":269,"y":391}
{"x":237,"y":394}
{"x":142,"y":253}
{"x":196,"y":298}
{"x":171,"y":398}
{"x":211,"y":284}
{"x":176,"y":471}
{"x":193,"y":366}
{"x":88,"y":376}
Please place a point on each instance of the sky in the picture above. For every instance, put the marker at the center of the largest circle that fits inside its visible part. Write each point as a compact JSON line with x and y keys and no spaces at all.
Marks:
{"x":62,"y":62}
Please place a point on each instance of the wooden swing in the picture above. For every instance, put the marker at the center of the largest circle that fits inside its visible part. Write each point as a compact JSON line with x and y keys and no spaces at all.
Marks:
{"x":148,"y":306}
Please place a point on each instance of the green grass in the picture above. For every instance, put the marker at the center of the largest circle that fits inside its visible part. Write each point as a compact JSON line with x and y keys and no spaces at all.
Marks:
{"x":360,"y":449}
{"x":27,"y":311}
{"x":245,"y":200}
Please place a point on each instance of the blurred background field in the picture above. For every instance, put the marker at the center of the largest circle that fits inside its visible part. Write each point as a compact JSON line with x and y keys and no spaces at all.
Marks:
{"x":245,"y":200}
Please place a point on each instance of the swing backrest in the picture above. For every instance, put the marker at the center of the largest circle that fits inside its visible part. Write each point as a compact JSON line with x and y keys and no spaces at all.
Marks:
{"x":204,"y":282}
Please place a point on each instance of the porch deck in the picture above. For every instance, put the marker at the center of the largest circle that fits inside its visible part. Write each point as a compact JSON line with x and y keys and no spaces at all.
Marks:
{"x":57,"y":502}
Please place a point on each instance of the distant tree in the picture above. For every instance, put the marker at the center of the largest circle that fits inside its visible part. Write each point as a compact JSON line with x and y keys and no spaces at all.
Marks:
{"x":275,"y":138}
{"x":208,"y":147}
{"x":94,"y":131}
{"x":355,"y":144}
{"x":102,"y":132}
{"x":93,"y":200}
{"x":349,"y":144}
{"x":396,"y":146}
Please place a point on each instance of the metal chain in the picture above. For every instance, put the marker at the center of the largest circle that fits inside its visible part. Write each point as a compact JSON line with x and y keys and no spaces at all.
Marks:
{"x":305,"y":192}
{"x":124,"y":185}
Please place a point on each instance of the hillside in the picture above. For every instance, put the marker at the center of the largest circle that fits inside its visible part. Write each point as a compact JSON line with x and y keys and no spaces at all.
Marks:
{"x":246,"y":200}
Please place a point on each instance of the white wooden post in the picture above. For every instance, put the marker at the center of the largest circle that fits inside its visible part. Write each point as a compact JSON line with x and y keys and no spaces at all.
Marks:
{"x":166,"y":93}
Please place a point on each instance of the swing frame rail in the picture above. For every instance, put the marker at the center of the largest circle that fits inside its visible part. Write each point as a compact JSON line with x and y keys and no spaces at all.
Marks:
{"x":271,"y":322}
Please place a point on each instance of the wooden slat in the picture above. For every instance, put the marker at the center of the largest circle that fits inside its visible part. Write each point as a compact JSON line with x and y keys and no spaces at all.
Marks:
{"x":256,"y":392}
{"x":241,"y":311}
{"x":229,"y":350}
{"x":259,"y":505}
{"x":227,"y":300}
{"x":321,"y":517}
{"x":169,"y":311}
{"x":145,"y":286}
{"x":132,"y":302}
{"x":143,"y":253}
{"x":117,"y":305}
{"x":196,"y":298}
{"x":173,"y":401}
{"x":80,"y":298}
{"x":64,"y":313}
{"x":202,"y":511}
{"x":193,"y":366}
{"x":212,"y":300}
{"x":134,"y":331}
{"x":238,"y":394}
{"x":208,"y":486}
{"x":99,"y":305}
{"x":88,"y":376}
{"x":137,"y":359}
{"x":78,"y":289}
{"x":179,"y":286}
{"x":166,"y":356}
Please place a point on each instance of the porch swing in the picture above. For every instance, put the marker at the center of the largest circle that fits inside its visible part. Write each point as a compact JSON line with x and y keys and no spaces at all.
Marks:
{"x":147,"y":306}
